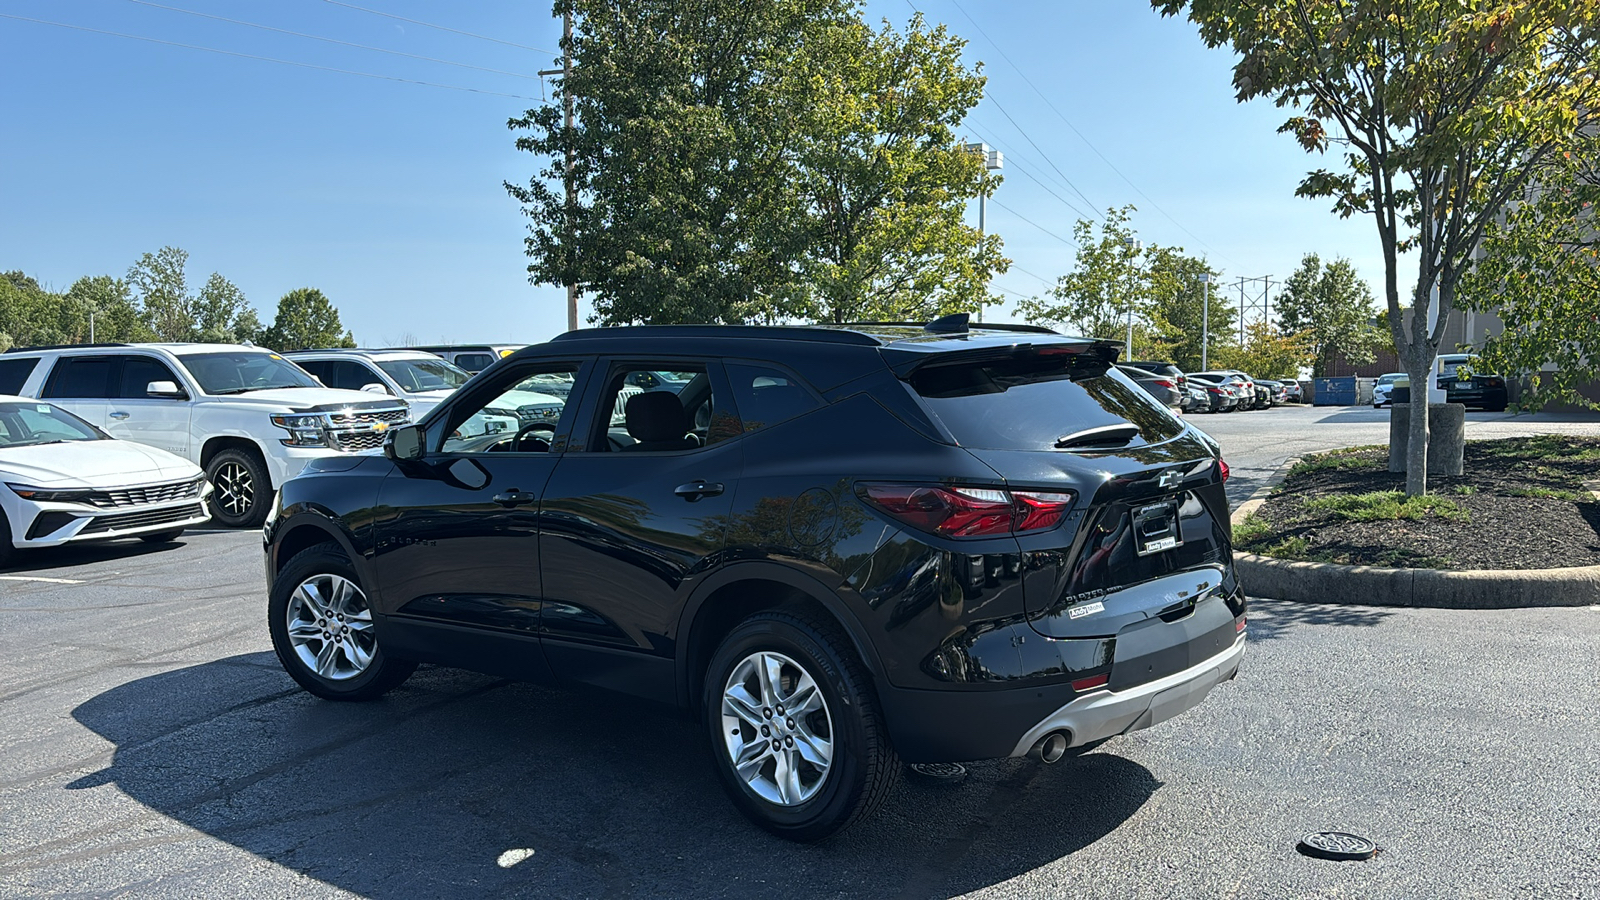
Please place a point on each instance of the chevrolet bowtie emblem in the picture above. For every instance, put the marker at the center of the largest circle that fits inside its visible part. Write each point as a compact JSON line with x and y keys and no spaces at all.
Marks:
{"x":1170,"y":479}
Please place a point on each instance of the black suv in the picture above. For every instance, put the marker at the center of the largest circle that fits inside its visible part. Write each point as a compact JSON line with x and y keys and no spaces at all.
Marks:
{"x":839,"y":547}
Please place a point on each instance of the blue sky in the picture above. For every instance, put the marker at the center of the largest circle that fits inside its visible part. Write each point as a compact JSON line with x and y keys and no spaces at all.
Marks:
{"x":387,"y":195}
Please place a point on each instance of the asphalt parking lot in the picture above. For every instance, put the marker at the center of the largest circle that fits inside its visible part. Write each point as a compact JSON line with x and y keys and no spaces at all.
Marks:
{"x":154,"y":748}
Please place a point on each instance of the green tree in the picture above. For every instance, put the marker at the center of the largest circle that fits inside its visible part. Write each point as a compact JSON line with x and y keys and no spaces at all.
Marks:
{"x":222,"y":314}
{"x":1267,"y":352}
{"x":115,"y":312}
{"x":1540,"y":273}
{"x":162,"y":288}
{"x":1442,"y":109}
{"x":306,"y":319}
{"x":1106,"y":285}
{"x":741,"y":160}
{"x":1177,"y":308}
{"x":1334,"y":307}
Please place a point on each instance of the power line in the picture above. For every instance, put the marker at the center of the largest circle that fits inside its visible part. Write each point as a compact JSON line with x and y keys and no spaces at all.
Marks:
{"x":1014,"y":159}
{"x":1031,"y":275}
{"x":1080,"y":134}
{"x":328,"y":40}
{"x":1010,"y":291}
{"x":481,"y":37}
{"x":285,"y":62}
{"x":1033,"y":223}
{"x":992,"y":99}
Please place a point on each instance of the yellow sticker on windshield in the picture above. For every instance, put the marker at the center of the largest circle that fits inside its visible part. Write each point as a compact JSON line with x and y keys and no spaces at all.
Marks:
{"x":274,"y":356}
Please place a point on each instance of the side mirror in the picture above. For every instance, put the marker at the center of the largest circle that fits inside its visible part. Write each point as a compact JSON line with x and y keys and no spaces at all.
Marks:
{"x":374,"y":388}
{"x":404,"y":442}
{"x":166,"y":390}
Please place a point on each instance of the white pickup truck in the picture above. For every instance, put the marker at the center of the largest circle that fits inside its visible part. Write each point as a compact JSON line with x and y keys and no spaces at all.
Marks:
{"x":250,"y":418}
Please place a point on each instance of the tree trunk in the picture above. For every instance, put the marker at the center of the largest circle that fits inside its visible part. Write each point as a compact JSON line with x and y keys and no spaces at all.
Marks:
{"x":1419,"y":367}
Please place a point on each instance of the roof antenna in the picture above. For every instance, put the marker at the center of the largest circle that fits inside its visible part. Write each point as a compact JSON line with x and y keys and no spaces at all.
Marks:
{"x":956,"y":323}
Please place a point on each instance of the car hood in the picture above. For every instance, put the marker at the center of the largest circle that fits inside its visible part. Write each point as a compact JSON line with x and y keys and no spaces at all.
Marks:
{"x":92,"y":464}
{"x":315,"y":399}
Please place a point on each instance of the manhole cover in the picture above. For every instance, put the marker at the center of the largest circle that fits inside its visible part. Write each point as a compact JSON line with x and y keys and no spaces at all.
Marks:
{"x":946,"y":773}
{"x":1337,"y":845}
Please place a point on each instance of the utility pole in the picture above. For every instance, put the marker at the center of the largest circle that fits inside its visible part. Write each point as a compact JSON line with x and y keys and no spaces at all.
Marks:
{"x":1135,"y":247}
{"x":568,"y":121}
{"x":992,"y":160}
{"x":1205,"y":323}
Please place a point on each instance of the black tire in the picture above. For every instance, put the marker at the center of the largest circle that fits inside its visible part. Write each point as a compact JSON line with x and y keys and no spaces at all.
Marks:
{"x":241,"y":490}
{"x":863,"y":765}
{"x":380,"y":675}
{"x":7,"y":549}
{"x":162,"y":537}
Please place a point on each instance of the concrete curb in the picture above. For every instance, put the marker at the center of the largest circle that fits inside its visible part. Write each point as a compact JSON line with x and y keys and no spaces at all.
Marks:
{"x":1313,"y":582}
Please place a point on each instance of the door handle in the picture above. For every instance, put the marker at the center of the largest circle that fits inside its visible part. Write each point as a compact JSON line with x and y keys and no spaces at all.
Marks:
{"x":515,"y":497}
{"x":120,"y":415}
{"x":694,"y":490}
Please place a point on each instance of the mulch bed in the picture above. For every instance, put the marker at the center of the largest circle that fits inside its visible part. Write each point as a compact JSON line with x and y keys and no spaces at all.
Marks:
{"x":1502,"y":527}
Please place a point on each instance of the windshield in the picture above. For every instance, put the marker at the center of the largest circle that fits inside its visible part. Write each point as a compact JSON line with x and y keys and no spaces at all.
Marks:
{"x":1388,"y":379}
{"x":31,"y":424}
{"x":238,"y":371}
{"x":417,"y":375}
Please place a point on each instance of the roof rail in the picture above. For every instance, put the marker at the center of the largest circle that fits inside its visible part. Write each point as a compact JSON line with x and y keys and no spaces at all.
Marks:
{"x":825,"y":335}
{"x":946,"y":325}
{"x":64,"y":347}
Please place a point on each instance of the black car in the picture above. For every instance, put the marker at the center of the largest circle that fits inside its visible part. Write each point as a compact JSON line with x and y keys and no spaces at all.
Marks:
{"x":1461,"y":384}
{"x":839,"y":548}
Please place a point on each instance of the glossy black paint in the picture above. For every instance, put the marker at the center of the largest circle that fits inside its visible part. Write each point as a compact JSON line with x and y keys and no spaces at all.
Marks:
{"x":613,"y":577}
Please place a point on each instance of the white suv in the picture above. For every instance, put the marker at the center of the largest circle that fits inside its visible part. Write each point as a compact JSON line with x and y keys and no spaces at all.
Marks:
{"x":250,"y":418}
{"x":422,"y":379}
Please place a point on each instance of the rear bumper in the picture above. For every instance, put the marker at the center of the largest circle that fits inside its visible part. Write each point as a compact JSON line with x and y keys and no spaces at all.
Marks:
{"x":1110,"y":713}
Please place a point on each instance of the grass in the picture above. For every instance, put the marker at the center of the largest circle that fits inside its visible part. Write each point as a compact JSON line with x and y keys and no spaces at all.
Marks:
{"x":1381,"y":506}
{"x":1252,"y":528}
{"x":1465,"y":490}
{"x":1288,"y":548}
{"x":1348,"y":458}
{"x":1542,"y":493}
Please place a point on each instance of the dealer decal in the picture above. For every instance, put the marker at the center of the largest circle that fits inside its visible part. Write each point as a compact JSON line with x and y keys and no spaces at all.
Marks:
{"x":1088,"y":609}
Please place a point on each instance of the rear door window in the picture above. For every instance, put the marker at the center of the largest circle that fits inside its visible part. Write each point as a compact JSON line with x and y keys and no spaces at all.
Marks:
{"x":766,"y":395}
{"x":1033,"y":403}
{"x":81,"y":377}
{"x":473,"y":362}
{"x":14,"y":373}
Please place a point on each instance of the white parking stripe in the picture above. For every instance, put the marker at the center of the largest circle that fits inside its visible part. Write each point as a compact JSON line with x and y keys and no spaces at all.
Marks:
{"x":36,"y":578}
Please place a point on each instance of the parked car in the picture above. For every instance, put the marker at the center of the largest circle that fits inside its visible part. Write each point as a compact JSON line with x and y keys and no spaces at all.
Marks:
{"x":1168,"y":369}
{"x":421,"y":379}
{"x":1256,"y":396}
{"x":68,"y":482}
{"x":1162,"y":387}
{"x":1383,"y":388}
{"x":1227,"y":392}
{"x":1463,"y":384}
{"x":250,"y":418}
{"x":470,"y":358}
{"x":1293,"y":392}
{"x":839,"y":547}
{"x":1277,"y":391}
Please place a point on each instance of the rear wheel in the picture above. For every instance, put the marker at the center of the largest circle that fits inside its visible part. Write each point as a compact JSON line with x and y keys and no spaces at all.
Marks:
{"x":795,"y":728}
{"x":240,"y":488}
{"x":323,"y":632}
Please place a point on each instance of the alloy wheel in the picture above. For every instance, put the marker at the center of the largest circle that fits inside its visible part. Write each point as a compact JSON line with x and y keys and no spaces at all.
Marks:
{"x":235,"y":489}
{"x":777,"y":729}
{"x":330,"y":627}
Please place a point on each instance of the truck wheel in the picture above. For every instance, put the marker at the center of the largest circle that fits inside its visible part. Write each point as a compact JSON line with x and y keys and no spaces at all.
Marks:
{"x":322,"y":629}
{"x":795,"y":727}
{"x":240,"y":488}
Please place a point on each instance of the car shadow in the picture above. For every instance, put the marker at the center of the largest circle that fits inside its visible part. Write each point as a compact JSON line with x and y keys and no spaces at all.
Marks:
{"x":1273,"y":619}
{"x":458,"y":784}
{"x":39,"y":559}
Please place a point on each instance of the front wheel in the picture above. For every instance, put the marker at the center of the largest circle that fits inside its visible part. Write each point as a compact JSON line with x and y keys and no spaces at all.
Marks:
{"x":322,"y":629}
{"x":241,"y":488}
{"x":795,"y":728}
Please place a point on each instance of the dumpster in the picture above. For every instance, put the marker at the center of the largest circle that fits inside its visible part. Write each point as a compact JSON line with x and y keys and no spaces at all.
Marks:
{"x":1335,"y":392}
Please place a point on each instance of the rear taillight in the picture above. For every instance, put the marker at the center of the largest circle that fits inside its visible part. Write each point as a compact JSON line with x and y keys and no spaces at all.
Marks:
{"x":1164,"y":383}
{"x":1214,"y":390}
{"x":968,"y":511}
{"x":1090,"y":683}
{"x":1223,"y":468}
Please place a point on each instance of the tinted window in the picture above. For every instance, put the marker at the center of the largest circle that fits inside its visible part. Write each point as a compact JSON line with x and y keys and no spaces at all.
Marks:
{"x":415,"y":375}
{"x":14,"y":373}
{"x":474,"y":362}
{"x":316,"y":367}
{"x":81,"y":377}
{"x":139,"y":371}
{"x":1030,"y":404}
{"x":766,"y":396}
{"x":350,"y":375}
{"x":681,"y":413}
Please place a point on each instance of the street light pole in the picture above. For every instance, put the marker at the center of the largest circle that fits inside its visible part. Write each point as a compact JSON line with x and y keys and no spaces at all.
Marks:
{"x":1134,"y":247}
{"x":992,"y":160}
{"x":1205,"y":323}
{"x":568,"y":120}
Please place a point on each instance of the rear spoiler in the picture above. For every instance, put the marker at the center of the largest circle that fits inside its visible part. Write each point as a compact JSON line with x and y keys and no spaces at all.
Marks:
{"x":1097,"y":355}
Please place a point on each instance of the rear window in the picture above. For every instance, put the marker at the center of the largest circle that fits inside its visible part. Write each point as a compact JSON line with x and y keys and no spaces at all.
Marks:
{"x":1031,"y":404}
{"x":14,"y":373}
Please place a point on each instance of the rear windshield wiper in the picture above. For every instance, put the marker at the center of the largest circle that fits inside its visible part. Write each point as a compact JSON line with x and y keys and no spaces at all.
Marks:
{"x":1103,"y":436}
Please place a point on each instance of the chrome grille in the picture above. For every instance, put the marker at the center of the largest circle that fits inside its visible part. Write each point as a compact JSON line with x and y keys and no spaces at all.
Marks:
{"x":367,"y":417}
{"x":117,"y":498}
{"x":355,"y":430}
{"x":353,"y":441}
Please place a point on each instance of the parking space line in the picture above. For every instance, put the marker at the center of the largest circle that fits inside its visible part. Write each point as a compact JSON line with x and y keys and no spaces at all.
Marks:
{"x":40,"y":579}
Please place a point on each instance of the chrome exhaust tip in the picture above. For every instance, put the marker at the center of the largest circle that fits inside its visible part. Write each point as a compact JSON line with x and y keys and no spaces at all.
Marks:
{"x":1050,"y":748}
